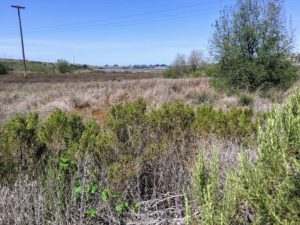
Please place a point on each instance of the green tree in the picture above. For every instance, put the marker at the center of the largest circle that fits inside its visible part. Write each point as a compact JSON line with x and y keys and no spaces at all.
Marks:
{"x":3,"y":69}
{"x":251,"y":42}
{"x":196,"y":60}
{"x":63,"y":66}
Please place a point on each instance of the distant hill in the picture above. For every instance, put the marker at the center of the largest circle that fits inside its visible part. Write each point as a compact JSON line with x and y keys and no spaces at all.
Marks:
{"x":16,"y":66}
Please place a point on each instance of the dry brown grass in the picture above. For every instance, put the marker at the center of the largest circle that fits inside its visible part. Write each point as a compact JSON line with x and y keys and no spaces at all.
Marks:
{"x":25,"y":203}
{"x":89,"y":97}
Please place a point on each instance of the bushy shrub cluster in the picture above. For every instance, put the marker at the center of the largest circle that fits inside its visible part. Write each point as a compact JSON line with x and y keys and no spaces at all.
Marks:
{"x":20,"y":146}
{"x":3,"y":69}
{"x":235,"y":122}
{"x":264,"y":190}
{"x":74,"y":161}
{"x":172,"y":117}
{"x":24,"y":139}
{"x":63,"y":66}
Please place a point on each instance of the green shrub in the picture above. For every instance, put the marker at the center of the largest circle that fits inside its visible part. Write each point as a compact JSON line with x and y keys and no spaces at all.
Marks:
{"x":171,"y":118}
{"x":61,"y":131}
{"x":221,"y":84}
{"x":124,"y":116}
{"x":172,"y":73}
{"x":19,"y":145}
{"x":121,"y":172}
{"x":104,"y":151}
{"x":211,"y":70}
{"x":249,"y":57}
{"x":271,"y":186}
{"x":197,"y":73}
{"x":3,"y":69}
{"x":97,"y":142}
{"x":233,"y":123}
{"x":245,"y":100}
{"x":88,"y":139}
{"x":63,"y":66}
{"x":206,"y":70}
{"x":265,"y":190}
{"x":217,"y":206}
{"x":38,"y":67}
{"x":208,"y":120}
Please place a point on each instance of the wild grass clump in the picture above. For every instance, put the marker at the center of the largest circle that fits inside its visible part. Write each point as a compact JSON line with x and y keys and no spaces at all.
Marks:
{"x":245,"y":100}
{"x":271,"y":185}
{"x":218,"y":205}
{"x":264,"y":189}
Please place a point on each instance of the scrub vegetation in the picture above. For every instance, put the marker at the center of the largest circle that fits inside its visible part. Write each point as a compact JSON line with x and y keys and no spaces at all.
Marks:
{"x":218,"y":145}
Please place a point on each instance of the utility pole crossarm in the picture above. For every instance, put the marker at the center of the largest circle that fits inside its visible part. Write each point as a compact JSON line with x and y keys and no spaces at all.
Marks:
{"x":17,"y":6}
{"x":21,"y":32}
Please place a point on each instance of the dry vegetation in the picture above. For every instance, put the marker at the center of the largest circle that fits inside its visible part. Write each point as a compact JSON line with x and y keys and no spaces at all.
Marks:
{"x":114,"y":149}
{"x":89,"y":97}
{"x":148,"y":150}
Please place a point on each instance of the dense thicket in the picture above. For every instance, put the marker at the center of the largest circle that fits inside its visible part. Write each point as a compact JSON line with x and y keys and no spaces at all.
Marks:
{"x":252,"y":44}
{"x":140,"y":162}
{"x":81,"y":170}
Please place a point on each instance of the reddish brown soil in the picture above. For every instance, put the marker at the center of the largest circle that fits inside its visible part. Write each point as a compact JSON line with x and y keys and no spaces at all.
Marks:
{"x":100,"y":116}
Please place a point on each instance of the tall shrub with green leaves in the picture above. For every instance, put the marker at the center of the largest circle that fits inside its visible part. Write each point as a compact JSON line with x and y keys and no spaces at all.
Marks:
{"x":171,"y":118}
{"x":123,"y":116}
{"x":20,"y":148}
{"x":127,"y":122}
{"x":97,"y":142}
{"x":251,"y":42}
{"x":61,"y":131}
{"x":235,"y":122}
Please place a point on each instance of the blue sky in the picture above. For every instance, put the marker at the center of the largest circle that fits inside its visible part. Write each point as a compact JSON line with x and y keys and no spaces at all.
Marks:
{"x":114,"y":31}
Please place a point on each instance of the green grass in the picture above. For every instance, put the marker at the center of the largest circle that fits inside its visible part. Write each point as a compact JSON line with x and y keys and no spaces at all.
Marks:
{"x":268,"y":188}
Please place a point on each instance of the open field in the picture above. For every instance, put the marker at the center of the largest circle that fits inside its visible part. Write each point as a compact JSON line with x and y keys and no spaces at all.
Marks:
{"x":75,"y":77}
{"x":146,"y":150}
{"x":209,"y":138}
{"x":91,"y":94}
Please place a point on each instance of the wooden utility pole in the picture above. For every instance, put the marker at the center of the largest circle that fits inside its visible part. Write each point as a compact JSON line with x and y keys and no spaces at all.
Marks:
{"x":21,"y":32}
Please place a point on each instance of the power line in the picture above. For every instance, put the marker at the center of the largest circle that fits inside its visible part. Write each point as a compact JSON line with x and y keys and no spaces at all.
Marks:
{"x":172,"y":17}
{"x":165,"y":18}
{"x":128,"y":16}
{"x":114,"y":21}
